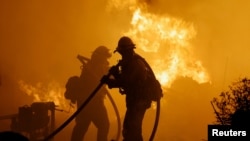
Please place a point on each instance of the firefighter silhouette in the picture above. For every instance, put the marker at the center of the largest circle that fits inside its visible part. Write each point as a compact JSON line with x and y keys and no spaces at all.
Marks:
{"x":130,"y":78}
{"x":95,"y":112}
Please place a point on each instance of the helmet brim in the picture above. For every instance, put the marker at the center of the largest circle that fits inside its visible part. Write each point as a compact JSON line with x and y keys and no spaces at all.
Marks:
{"x":132,"y":46}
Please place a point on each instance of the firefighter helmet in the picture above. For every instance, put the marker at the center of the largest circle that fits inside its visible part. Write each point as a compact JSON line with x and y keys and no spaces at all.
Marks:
{"x":125,"y":43}
{"x":101,"y":51}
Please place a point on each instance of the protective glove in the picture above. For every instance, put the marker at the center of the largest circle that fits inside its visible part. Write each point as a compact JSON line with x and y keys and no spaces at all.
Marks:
{"x":105,"y":79}
{"x":114,"y":70}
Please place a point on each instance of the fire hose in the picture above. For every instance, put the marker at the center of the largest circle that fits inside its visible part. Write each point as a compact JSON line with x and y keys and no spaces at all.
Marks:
{"x":84,"y":104}
{"x":117,"y":115}
{"x":76,"y":112}
{"x":116,"y":110}
{"x":157,"y":117}
{"x":157,"y":114}
{"x":82,"y":59}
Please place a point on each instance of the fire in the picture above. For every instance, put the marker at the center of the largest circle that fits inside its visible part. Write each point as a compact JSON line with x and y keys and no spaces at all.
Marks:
{"x":152,"y":31}
{"x":165,"y":39}
{"x":168,"y":40}
{"x":52,"y":92}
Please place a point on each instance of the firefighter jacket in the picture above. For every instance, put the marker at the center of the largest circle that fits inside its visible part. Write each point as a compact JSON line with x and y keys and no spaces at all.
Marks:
{"x":130,"y":81}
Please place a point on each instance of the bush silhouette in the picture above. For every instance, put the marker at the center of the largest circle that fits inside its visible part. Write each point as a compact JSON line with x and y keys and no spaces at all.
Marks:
{"x":233,"y":106}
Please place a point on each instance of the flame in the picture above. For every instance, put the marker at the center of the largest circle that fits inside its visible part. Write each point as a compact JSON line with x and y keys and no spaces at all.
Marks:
{"x":151,"y":31}
{"x":167,"y":40}
{"x":53,"y":92}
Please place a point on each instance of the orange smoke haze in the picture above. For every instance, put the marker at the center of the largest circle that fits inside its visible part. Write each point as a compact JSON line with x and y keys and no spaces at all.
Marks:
{"x":196,"y":49}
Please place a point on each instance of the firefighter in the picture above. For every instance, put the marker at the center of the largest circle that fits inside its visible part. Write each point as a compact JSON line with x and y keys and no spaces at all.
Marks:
{"x":95,"y":112}
{"x":129,"y":78}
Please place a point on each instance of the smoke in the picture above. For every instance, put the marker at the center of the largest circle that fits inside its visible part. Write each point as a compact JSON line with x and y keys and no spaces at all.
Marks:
{"x":39,"y":42}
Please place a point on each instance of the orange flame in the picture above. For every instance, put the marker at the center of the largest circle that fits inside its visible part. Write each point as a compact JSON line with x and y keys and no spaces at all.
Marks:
{"x":53,"y":92}
{"x":152,"y":31}
{"x":167,"y":40}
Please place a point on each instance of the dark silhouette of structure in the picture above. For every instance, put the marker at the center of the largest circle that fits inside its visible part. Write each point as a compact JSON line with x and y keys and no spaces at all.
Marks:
{"x":35,"y":121}
{"x":95,"y":112}
{"x":132,"y":76}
